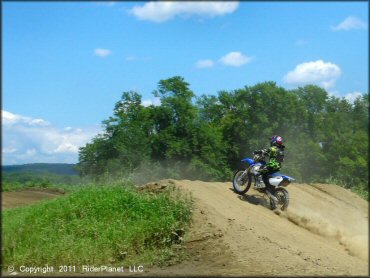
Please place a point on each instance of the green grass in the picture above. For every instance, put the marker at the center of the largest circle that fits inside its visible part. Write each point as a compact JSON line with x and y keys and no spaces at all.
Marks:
{"x":361,"y":191}
{"x":111,"y":225}
{"x":6,"y":187}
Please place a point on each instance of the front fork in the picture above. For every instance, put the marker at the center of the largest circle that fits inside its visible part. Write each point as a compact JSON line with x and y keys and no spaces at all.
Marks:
{"x":271,"y":195}
{"x":245,"y":173}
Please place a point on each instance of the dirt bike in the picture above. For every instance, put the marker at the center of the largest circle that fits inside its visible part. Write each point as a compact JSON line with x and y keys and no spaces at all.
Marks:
{"x":244,"y":178}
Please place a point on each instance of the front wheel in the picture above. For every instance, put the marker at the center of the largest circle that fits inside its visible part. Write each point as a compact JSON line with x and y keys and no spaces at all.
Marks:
{"x":242,"y":181}
{"x":283,"y":199}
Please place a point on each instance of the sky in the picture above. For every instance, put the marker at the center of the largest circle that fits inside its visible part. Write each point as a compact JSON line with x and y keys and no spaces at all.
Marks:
{"x":66,"y":64}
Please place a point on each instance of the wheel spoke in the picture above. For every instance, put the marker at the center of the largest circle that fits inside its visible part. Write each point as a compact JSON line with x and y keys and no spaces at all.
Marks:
{"x":283,"y":198}
{"x":241,"y":181}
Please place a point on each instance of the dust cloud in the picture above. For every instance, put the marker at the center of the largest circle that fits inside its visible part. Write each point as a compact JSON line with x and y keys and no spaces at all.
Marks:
{"x":329,"y":215}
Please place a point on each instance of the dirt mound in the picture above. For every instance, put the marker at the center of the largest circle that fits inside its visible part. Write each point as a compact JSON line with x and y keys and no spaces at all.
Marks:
{"x":27,"y":196}
{"x":323,"y":232}
{"x":155,"y":187}
{"x":337,"y":214}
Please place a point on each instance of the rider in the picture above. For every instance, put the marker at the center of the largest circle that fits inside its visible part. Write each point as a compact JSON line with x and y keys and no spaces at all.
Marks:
{"x":276,"y":154}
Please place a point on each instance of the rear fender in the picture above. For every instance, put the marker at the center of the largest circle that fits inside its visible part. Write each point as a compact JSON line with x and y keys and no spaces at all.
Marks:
{"x":286,"y":180}
{"x":284,"y":183}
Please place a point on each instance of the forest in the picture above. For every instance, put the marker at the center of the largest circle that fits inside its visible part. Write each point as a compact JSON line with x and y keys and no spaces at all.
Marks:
{"x":204,"y":137}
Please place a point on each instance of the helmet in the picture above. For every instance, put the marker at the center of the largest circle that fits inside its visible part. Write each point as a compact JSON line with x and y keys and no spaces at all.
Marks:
{"x":276,"y":140}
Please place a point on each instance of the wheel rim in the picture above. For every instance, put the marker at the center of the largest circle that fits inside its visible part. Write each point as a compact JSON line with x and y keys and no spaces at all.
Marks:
{"x":282,"y":198}
{"x":240,"y":182}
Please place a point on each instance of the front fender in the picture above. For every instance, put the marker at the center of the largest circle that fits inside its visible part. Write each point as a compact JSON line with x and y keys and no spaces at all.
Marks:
{"x":248,"y":160}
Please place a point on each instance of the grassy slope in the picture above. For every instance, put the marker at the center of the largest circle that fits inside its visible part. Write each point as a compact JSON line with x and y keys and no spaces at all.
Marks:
{"x":94,"y":225}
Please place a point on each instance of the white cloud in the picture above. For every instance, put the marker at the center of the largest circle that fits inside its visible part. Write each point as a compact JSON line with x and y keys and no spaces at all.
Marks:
{"x":131,"y":58}
{"x":351,"y":97}
{"x":160,"y":11}
{"x":317,"y":72}
{"x":107,"y":3}
{"x":350,"y":23}
{"x":31,"y":152}
{"x":235,"y":59}
{"x":301,"y":42}
{"x":102,"y":52}
{"x":154,"y":101}
{"x":10,"y":119}
{"x":204,"y":64}
{"x":9,"y":150}
{"x":28,"y":140}
{"x":66,"y":147}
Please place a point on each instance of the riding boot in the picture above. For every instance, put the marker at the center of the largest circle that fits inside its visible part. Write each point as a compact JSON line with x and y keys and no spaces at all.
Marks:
{"x":267,"y":183}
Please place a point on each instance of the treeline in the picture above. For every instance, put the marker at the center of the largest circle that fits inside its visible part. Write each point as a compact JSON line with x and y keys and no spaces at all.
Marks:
{"x":23,"y":179}
{"x":42,"y":168}
{"x":14,"y":177}
{"x":206,"y":137}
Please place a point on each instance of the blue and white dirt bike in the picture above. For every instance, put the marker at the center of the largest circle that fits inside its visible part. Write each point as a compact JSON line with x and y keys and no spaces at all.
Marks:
{"x":244,"y":178}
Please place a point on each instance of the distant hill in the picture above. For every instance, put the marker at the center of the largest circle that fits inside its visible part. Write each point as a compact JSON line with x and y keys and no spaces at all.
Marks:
{"x":53,"y":168}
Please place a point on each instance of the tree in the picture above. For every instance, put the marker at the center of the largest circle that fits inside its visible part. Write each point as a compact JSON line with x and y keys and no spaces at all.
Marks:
{"x":205,"y":138}
{"x":177,"y":114}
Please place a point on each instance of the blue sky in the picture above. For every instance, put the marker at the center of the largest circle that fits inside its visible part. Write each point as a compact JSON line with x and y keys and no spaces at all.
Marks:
{"x":65,"y":64}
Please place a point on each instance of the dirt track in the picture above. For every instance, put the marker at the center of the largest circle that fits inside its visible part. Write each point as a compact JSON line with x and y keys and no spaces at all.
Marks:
{"x":324,"y":232}
{"x":24,"y":197}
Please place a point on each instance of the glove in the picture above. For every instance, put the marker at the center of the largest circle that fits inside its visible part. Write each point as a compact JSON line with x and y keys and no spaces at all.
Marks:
{"x":260,"y":152}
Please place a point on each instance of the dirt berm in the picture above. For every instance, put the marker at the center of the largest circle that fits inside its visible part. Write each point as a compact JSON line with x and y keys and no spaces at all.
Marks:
{"x":324,"y":232}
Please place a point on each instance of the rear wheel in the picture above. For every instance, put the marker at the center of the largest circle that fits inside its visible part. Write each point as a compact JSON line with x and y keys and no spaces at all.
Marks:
{"x":283,"y":199}
{"x":242,"y":181}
